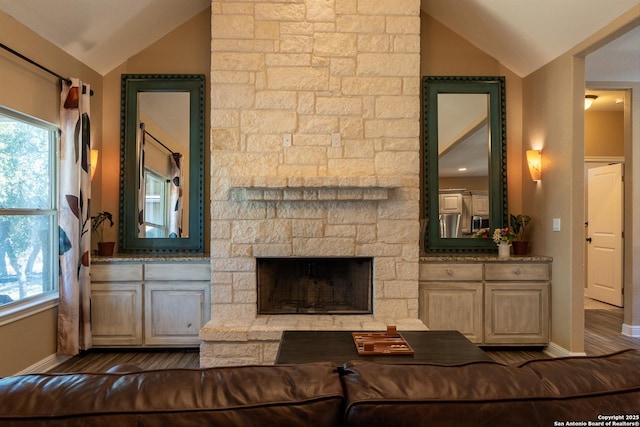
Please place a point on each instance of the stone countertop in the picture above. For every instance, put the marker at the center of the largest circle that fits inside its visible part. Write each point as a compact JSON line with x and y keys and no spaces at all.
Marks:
{"x":482,"y":258}
{"x":148,"y":258}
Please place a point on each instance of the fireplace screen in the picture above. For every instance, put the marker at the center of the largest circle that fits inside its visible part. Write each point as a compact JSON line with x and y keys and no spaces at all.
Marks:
{"x":314,"y":285}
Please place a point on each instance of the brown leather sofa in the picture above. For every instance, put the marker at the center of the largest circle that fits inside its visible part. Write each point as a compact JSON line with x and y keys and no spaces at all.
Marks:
{"x":535,"y":393}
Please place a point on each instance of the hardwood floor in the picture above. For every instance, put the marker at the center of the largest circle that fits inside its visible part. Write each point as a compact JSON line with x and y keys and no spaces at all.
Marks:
{"x":102,"y":360}
{"x":602,"y":336}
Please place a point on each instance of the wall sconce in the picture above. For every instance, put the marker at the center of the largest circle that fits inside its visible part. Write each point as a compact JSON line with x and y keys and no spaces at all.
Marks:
{"x":94,"y":162}
{"x":534,"y":160}
{"x":588,"y":100}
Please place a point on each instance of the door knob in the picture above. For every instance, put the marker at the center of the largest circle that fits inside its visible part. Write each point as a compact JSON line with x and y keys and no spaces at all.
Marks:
{"x":589,"y":239}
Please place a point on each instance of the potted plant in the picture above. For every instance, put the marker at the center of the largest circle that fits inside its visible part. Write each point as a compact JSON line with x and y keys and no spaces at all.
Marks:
{"x":519,"y":224}
{"x":97,"y":226}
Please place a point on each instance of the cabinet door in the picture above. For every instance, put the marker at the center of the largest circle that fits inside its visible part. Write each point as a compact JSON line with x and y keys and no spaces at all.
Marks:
{"x":517,"y":313}
{"x":450,"y":203}
{"x":175,"y":312}
{"x":116,"y":314}
{"x":480,"y":204}
{"x":453,"y":306}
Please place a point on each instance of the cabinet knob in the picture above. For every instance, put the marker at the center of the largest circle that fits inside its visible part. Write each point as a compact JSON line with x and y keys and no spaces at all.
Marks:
{"x":449,"y":272}
{"x":517,"y":271}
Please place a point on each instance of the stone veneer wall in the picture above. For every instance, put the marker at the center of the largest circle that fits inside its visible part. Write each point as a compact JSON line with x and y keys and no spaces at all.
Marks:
{"x":312,"y":69}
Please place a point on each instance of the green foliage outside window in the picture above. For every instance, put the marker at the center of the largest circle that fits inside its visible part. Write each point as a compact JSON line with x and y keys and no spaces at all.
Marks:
{"x":27,"y":214}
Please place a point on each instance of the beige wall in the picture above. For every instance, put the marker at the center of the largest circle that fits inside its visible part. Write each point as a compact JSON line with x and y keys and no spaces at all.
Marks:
{"x":554,"y":122}
{"x":185,"y":50}
{"x":468,"y":183}
{"x":27,"y":342}
{"x":445,"y":53}
{"x":29,"y":90}
{"x":604,"y":133}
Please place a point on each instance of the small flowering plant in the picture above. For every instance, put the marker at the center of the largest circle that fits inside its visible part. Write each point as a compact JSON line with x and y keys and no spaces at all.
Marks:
{"x":503,"y":235}
{"x":483,"y":233}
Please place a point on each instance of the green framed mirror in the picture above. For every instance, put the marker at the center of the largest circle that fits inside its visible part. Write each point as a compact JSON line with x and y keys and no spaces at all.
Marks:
{"x":161,"y":163}
{"x":465,"y":180}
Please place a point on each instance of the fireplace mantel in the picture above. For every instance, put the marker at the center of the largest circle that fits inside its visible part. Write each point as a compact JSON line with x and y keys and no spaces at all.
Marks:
{"x":314,"y":187}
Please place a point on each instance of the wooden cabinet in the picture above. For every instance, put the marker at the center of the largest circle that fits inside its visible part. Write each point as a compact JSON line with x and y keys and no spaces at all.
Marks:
{"x":451,"y":203}
{"x":116,"y":314}
{"x":151,"y":304}
{"x":516,"y":313}
{"x":453,"y":306}
{"x":516,"y":298}
{"x":480,"y":203}
{"x":491,"y":303}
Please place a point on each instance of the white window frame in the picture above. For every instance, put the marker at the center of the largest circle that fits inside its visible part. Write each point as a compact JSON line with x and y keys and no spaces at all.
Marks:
{"x":164,"y":199}
{"x":32,"y":305}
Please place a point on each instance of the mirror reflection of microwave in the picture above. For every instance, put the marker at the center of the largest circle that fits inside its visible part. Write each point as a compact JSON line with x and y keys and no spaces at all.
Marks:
{"x":478,"y":222}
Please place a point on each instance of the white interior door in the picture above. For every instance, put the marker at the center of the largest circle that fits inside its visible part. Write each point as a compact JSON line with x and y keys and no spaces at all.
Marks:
{"x":604,"y":233}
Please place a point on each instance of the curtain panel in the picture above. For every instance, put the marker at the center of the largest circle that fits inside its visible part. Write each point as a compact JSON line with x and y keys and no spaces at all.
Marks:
{"x":74,"y":327}
{"x":175,"y":199}
{"x":142,"y":183}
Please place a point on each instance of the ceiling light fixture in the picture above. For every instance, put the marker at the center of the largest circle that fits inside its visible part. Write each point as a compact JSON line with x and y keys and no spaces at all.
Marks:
{"x":588,"y":100}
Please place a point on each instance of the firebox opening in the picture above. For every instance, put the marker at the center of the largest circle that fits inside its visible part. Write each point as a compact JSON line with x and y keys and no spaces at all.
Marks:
{"x":315,"y":285}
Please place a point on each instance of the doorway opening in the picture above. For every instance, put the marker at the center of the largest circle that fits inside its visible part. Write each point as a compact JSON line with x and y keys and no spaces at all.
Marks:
{"x":604,"y":195}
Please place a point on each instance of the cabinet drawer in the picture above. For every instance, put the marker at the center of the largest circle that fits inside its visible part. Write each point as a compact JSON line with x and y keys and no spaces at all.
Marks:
{"x":436,"y":271}
{"x":115,"y":272}
{"x":514,"y":271}
{"x":176,"y":271}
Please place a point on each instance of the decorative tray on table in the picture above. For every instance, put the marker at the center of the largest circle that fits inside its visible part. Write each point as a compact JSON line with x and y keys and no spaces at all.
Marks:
{"x":381,"y":343}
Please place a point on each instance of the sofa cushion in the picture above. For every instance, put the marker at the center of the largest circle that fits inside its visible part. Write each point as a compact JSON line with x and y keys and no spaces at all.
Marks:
{"x":308,"y":394}
{"x":485,"y":393}
{"x":593,"y":387}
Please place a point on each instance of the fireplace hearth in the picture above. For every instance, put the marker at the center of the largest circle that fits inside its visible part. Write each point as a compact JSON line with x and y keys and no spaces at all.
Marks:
{"x":314,"y":285}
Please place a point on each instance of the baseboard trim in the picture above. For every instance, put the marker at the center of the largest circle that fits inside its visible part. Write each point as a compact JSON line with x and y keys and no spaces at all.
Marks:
{"x":554,"y":350}
{"x":632,"y":331}
{"x":45,"y":364}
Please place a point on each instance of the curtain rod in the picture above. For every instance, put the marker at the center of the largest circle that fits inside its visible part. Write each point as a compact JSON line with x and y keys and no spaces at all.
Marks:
{"x":159,"y":142}
{"x":32,"y":62}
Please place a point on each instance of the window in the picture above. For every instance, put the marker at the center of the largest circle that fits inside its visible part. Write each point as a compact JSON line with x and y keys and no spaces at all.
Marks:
{"x":28,"y":215}
{"x":156,"y":201}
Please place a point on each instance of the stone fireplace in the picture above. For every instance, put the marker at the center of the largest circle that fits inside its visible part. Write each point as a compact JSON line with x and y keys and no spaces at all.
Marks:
{"x":315,"y":111}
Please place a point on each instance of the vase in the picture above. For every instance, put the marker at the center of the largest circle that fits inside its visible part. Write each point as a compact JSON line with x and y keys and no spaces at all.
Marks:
{"x":504,"y":250}
{"x":520,"y":248}
{"x":106,"y":248}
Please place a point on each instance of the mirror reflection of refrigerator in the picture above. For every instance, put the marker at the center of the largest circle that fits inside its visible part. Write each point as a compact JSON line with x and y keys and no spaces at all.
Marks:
{"x":449,"y":225}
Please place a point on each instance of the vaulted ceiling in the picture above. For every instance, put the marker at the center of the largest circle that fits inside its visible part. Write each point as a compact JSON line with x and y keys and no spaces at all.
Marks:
{"x":522,"y":34}
{"x":527,"y":34}
{"x":102,"y":33}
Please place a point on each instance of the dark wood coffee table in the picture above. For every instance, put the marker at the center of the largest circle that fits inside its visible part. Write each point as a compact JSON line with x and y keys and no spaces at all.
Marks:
{"x":444,"y":347}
